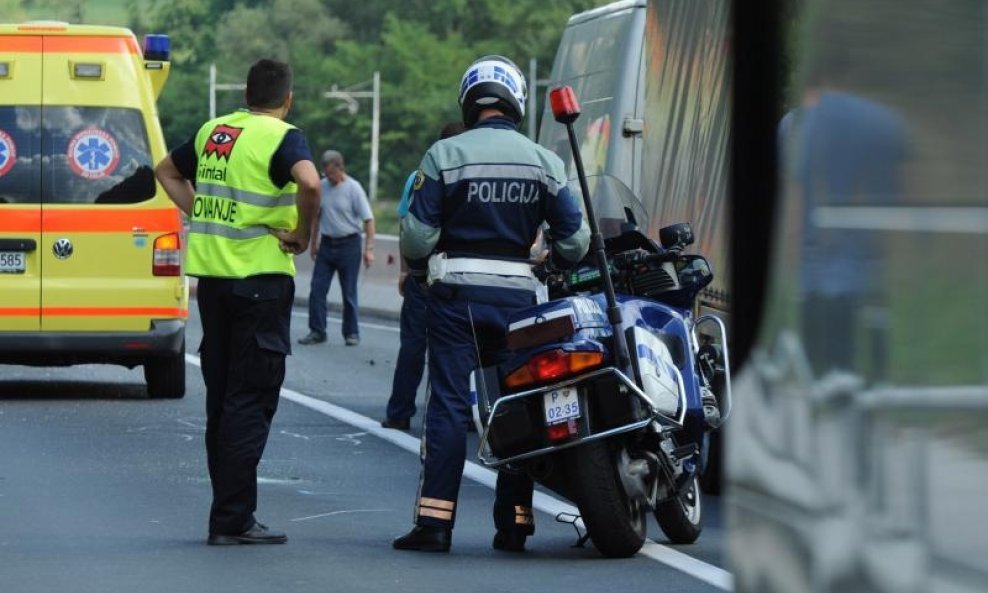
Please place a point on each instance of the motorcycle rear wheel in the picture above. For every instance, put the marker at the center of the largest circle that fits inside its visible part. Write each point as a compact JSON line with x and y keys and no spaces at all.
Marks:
{"x":681,"y":517}
{"x":615,"y":522}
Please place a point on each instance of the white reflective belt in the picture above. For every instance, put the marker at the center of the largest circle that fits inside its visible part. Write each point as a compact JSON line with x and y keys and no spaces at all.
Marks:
{"x":488,"y":266}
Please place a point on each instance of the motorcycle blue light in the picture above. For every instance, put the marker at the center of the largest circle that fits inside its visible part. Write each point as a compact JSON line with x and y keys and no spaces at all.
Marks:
{"x":157,"y":47}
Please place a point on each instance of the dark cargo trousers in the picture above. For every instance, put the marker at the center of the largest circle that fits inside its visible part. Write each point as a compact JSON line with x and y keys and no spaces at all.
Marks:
{"x":457,"y":315}
{"x":245,"y":340}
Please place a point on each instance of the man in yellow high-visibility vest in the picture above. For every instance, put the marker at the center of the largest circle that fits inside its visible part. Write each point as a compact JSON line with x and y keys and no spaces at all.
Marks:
{"x":256,"y":194}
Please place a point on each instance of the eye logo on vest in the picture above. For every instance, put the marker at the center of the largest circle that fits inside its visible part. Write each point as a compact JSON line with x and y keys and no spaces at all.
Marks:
{"x":93,"y":153}
{"x":221,"y":141}
{"x":8,"y":153}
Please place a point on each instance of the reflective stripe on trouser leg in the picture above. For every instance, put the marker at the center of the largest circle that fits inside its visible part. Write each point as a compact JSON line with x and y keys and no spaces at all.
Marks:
{"x":434,"y":508}
{"x":513,"y":503}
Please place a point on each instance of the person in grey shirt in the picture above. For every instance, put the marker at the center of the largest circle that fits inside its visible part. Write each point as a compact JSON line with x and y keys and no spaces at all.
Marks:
{"x":336,"y":248}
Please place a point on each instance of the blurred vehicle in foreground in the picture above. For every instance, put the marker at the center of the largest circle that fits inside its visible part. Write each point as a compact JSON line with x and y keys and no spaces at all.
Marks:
{"x":857,"y":456}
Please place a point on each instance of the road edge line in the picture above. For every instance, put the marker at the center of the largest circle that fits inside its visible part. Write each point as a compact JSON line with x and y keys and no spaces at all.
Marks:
{"x":708,"y":573}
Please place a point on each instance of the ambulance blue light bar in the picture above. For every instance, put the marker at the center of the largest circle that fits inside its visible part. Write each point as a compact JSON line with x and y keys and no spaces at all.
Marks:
{"x":157,"y":47}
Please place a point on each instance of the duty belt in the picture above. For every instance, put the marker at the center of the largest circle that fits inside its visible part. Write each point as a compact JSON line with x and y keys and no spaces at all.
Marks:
{"x":440,"y":265}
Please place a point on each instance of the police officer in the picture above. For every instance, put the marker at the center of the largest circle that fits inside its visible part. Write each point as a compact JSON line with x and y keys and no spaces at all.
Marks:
{"x":478,"y":202}
{"x":256,"y":194}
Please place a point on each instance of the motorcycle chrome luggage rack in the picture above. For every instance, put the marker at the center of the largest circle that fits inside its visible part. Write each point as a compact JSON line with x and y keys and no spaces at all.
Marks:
{"x":667,"y":422}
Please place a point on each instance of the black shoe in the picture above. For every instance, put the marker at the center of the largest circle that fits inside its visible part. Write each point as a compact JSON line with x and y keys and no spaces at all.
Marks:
{"x":509,"y":542}
{"x":257,"y":534}
{"x":313,"y":338}
{"x":425,"y":539}
{"x":396,"y":424}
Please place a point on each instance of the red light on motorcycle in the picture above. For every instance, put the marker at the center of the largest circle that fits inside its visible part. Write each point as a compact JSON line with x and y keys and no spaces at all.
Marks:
{"x":565,"y":107}
{"x":167,"y":256}
{"x":562,"y":431}
{"x":552,"y":365}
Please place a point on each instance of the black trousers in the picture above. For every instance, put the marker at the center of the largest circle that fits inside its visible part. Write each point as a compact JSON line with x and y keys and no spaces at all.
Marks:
{"x":245,"y":341}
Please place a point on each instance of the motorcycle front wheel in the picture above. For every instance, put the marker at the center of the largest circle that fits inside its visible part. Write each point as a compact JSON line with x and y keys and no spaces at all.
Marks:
{"x":681,"y":517}
{"x":615,"y":522}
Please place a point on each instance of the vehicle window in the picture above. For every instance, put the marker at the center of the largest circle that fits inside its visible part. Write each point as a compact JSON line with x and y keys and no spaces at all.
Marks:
{"x":20,"y":155}
{"x":590,"y":51}
{"x":95,"y":155}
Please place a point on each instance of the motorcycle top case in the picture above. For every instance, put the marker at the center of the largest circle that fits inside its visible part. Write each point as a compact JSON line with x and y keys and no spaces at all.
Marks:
{"x":554,"y":321}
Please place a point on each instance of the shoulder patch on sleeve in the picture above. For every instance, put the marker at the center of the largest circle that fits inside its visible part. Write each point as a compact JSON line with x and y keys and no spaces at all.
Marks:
{"x":419,"y":180}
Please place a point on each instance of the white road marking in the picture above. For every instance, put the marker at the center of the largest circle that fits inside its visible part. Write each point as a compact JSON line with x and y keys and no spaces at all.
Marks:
{"x":261,"y":480}
{"x":708,"y":573}
{"x":351,"y":438}
{"x":330,"y":514}
{"x":288,"y":433}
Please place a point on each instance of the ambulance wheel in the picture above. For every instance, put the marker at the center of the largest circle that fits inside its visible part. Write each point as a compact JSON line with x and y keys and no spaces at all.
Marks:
{"x":166,"y":376}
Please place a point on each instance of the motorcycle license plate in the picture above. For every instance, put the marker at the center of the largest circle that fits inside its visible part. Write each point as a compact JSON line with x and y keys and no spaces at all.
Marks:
{"x":561,"y":405}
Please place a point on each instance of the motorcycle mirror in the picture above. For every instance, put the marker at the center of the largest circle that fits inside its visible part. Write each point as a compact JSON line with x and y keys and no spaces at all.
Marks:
{"x":694,"y":272}
{"x":565,"y":107}
{"x":676,"y":236}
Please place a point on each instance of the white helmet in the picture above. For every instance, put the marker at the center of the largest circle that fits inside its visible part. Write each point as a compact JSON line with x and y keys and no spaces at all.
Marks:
{"x":492,"y":82}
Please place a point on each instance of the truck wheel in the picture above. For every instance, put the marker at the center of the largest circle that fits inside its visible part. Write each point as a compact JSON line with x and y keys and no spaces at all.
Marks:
{"x":681,"y":517}
{"x":615,"y":522}
{"x":166,"y":376}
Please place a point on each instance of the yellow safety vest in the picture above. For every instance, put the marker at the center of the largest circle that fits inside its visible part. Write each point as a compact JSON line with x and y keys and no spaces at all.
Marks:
{"x":236,"y":203}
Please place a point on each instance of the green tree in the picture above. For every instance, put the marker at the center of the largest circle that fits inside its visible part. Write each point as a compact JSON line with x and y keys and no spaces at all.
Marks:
{"x":12,"y":11}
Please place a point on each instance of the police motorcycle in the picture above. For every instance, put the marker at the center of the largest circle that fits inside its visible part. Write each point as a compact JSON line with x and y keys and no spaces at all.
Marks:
{"x":611,"y":387}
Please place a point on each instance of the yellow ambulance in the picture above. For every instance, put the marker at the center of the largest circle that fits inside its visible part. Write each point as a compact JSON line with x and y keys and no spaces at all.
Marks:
{"x":90,"y":246}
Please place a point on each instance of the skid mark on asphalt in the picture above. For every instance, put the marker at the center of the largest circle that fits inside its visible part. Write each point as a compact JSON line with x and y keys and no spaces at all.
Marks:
{"x":708,"y":573}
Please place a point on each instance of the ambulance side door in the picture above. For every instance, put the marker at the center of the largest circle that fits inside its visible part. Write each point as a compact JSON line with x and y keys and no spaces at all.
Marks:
{"x":20,"y":183}
{"x":98,"y":215}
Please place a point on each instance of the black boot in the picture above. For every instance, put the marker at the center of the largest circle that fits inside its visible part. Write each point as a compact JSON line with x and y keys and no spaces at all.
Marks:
{"x":509,"y":541}
{"x":425,"y":539}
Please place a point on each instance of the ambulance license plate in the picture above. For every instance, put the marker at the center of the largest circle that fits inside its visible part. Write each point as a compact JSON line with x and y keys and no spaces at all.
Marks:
{"x":561,"y":405}
{"x":12,"y":262}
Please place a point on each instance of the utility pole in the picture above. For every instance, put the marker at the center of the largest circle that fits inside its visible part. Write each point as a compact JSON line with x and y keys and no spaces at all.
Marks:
{"x":533,"y":89}
{"x":349,"y":98}
{"x":213,"y":87}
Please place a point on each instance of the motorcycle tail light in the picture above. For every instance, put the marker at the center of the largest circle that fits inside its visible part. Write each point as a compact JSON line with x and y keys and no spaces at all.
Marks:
{"x":167,"y":256}
{"x":551,"y":366}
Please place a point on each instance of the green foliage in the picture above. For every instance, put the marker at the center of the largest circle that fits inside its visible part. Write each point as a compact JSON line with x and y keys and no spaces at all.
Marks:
{"x":12,"y":11}
{"x":420,"y":47}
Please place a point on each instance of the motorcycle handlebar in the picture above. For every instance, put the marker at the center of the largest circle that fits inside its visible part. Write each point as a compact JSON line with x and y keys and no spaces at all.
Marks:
{"x":630,"y":259}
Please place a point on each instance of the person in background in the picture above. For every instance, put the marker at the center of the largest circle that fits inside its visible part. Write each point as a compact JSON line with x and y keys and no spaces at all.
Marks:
{"x":410,"y":365}
{"x":336,"y":248}
{"x":479,"y":200}
{"x":256,"y":195}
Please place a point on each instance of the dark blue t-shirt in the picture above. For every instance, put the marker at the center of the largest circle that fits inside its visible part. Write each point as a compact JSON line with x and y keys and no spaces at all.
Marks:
{"x":293,"y":148}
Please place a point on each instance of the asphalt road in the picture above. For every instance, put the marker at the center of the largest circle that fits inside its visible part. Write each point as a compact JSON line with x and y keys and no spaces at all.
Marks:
{"x":104,"y":491}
